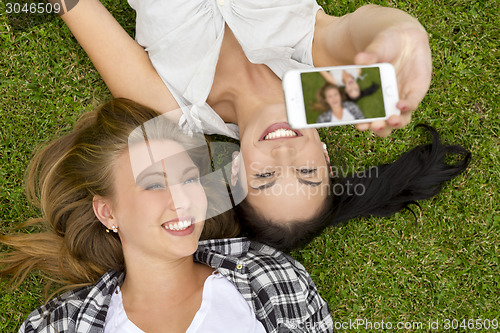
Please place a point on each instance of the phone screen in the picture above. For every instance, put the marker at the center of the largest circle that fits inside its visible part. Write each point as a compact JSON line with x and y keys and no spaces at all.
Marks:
{"x":342,"y":95}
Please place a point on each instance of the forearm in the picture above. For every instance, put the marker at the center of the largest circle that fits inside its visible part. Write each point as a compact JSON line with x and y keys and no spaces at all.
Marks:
{"x":339,"y":39}
{"x":123,"y":64}
{"x":329,"y":77}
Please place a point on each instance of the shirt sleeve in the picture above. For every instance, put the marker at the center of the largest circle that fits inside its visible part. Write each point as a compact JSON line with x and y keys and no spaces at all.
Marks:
{"x":325,"y":117}
{"x":320,"y":319}
{"x":58,"y":319}
{"x":58,"y":315}
{"x":354,"y":110}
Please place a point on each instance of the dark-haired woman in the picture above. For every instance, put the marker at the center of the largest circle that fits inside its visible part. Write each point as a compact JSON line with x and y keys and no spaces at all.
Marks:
{"x":224,"y":61}
{"x":382,"y":190}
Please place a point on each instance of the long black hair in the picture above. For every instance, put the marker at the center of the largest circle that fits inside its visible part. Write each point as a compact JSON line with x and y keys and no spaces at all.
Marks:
{"x":417,"y":175}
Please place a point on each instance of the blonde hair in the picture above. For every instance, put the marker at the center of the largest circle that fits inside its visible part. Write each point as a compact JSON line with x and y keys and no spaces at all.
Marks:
{"x":321,"y":104}
{"x":72,"y":247}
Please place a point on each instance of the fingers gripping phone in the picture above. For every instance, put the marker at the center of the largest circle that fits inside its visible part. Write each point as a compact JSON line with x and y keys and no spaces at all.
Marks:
{"x":341,"y":95}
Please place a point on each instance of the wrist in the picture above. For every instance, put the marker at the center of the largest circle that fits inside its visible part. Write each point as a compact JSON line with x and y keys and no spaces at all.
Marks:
{"x":371,"y":20}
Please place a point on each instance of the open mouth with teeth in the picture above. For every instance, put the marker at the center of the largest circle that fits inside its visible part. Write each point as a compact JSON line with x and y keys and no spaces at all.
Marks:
{"x":179,"y":224}
{"x":279,"y":131}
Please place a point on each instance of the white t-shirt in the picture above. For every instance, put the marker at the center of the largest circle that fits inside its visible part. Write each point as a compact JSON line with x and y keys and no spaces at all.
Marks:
{"x":346,"y":115}
{"x":223,"y":309}
{"x":183,"y":40}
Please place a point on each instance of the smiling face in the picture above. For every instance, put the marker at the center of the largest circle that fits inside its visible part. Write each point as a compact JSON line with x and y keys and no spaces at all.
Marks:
{"x":333,"y":97}
{"x":159,"y":207}
{"x":351,"y":86}
{"x":286,"y":170}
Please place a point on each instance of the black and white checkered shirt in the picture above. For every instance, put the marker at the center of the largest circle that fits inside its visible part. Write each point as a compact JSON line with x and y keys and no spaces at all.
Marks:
{"x":276,"y":286}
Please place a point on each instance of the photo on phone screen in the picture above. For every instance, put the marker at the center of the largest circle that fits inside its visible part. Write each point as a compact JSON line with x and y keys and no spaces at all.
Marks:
{"x":340,"y":95}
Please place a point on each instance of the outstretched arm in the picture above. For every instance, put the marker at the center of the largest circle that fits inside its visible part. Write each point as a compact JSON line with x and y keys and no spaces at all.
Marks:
{"x":374,"y":34}
{"x":329,"y":77}
{"x":123,"y":64}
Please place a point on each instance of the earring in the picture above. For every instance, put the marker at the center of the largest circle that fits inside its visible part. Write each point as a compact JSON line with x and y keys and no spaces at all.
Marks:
{"x":324,"y":146}
{"x":114,"y":228}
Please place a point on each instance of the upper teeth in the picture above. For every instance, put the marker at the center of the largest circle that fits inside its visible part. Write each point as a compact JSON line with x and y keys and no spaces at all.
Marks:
{"x":181,"y":225}
{"x":280,"y":133}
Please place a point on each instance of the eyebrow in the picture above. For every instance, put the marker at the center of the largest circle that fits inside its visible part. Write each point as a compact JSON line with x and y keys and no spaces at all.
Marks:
{"x":162,"y":173}
{"x":189,"y":169}
{"x":309,"y":183}
{"x":142,"y":176}
{"x":262,"y":187}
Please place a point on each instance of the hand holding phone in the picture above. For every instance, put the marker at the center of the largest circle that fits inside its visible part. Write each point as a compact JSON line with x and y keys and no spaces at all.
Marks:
{"x":406,"y":46}
{"x":342,"y":95}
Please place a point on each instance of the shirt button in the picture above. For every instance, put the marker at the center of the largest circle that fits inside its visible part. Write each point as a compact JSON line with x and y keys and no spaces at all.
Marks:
{"x":220,"y":2}
{"x":239,"y":266}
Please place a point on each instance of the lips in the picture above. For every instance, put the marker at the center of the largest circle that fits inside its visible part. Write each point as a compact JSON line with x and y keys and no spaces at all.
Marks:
{"x":279,"y":131}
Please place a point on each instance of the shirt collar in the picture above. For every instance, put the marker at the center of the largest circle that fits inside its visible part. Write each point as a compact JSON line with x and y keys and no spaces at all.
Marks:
{"x":97,"y":299}
{"x":223,"y":254}
{"x":234,"y":247}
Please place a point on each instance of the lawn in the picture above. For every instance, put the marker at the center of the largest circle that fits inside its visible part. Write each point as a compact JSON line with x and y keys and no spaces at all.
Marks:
{"x":443,"y":269}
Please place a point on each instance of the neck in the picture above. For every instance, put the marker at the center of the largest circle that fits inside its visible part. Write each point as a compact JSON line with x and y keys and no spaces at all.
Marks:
{"x":160,"y":293}
{"x":251,"y":104}
{"x":149,"y":281}
{"x":238,"y":99}
{"x":337,"y":111}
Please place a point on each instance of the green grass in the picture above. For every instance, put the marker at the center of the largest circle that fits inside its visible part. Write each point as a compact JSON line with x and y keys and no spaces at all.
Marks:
{"x":446,"y":266}
{"x":311,"y":84}
{"x":372,"y":105}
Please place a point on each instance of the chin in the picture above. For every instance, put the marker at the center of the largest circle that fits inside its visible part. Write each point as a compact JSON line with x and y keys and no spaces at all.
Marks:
{"x":187,"y":250}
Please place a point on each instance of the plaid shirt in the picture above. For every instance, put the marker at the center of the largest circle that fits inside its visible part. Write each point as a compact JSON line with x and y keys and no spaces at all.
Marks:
{"x":278,"y":288}
{"x":353,"y":108}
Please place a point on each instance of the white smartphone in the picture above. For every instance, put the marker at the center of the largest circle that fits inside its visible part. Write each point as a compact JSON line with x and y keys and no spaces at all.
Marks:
{"x":340,"y":95}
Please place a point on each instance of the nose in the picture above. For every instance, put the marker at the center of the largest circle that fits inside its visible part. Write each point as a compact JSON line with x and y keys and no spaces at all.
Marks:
{"x":178,"y":198}
{"x":284,"y":152}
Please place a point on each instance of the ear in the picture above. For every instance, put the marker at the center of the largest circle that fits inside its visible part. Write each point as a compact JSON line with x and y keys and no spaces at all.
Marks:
{"x":327,"y":159}
{"x":103,"y":211}
{"x":235,"y":167}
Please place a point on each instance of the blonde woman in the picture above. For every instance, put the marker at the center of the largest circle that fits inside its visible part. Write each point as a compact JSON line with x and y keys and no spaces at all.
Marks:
{"x":331,"y":99}
{"x":124,"y":202}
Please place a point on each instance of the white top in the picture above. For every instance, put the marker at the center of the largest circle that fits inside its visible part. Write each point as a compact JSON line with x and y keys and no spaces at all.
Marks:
{"x":346,"y":115}
{"x":183,"y":40}
{"x":223,"y":309}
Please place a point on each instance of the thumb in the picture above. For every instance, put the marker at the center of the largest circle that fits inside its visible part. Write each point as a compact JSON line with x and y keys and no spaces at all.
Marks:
{"x":386,"y":47}
{"x":371,"y":54}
